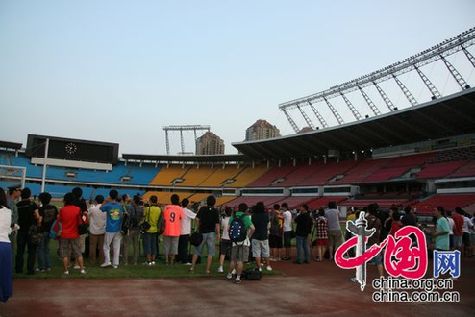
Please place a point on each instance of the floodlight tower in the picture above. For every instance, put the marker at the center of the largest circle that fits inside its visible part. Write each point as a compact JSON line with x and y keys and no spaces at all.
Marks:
{"x":182,"y":128}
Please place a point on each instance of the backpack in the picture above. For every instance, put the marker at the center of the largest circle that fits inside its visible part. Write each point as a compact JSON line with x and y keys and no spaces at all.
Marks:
{"x":49,"y":214}
{"x":55,"y":231}
{"x":237,"y":230}
{"x":196,"y":238}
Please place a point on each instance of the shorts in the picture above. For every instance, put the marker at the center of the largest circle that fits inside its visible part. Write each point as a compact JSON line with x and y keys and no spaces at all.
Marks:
{"x":377,"y":260}
{"x":466,"y":239}
{"x":240,"y":253}
{"x":287,"y":238}
{"x":68,"y":245}
{"x":457,"y":242}
{"x":225,"y":247}
{"x":322,"y":242}
{"x":170,"y":245}
{"x":275,"y":242}
{"x":208,"y":240}
{"x":260,"y":248}
{"x":334,"y":238}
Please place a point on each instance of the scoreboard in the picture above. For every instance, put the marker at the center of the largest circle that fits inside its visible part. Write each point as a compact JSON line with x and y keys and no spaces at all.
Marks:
{"x":72,"y":149}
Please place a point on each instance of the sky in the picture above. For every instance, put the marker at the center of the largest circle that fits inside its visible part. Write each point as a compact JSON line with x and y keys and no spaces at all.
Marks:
{"x":118,"y":71}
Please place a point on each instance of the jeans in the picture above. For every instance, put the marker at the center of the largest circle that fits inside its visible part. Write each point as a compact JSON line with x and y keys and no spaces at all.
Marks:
{"x":183,"y":248}
{"x":22,"y":243}
{"x":113,"y":238}
{"x":302,"y":249}
{"x":44,"y":259}
{"x":150,"y":244}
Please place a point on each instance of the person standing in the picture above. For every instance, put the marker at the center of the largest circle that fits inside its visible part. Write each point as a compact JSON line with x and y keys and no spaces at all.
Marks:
{"x":48,"y":214}
{"x":240,"y":250}
{"x":6,"y":251}
{"x":69,"y":217}
{"x":441,"y":233}
{"x":466,"y":229}
{"x":125,"y":201}
{"x":152,"y":215}
{"x":114,"y":212}
{"x":28,"y":217}
{"x":225,"y":244}
{"x":304,"y":228}
{"x":275,"y":233}
{"x":457,"y":216}
{"x":208,"y":223}
{"x":260,"y":237}
{"x":14,"y":194}
{"x":97,"y":230}
{"x":334,"y":230}
{"x":287,"y":215}
{"x":172,"y":217}
{"x":321,"y":234}
{"x":136,"y":216}
{"x":188,"y":216}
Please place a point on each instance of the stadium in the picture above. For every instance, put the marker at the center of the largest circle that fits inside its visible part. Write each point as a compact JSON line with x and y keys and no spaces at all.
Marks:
{"x":364,"y":142}
{"x":421,"y":156}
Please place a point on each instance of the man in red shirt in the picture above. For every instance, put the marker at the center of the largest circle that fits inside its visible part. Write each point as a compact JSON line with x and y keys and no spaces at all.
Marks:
{"x":172,"y":216}
{"x":69,"y":217}
{"x":458,"y":224}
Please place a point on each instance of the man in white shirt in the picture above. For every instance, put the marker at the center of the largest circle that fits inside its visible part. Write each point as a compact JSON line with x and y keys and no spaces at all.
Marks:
{"x":287,"y":230}
{"x":188,"y":215}
{"x":334,"y":229}
{"x":97,"y":230}
{"x":451,"y":230}
{"x":467,"y":227}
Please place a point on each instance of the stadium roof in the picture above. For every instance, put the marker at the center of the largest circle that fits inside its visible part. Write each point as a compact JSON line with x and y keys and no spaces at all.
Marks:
{"x":10,"y":145}
{"x":186,"y":158}
{"x":447,"y":116}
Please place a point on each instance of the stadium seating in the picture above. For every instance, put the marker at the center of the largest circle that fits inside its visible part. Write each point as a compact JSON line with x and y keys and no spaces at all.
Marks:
{"x":167,"y":175}
{"x":448,"y":201}
{"x":252,"y":200}
{"x":384,"y":203}
{"x":247,"y":176}
{"x":224,"y":200}
{"x":274,"y":174}
{"x":323,"y":201}
{"x":194,"y":175}
{"x":164,"y":197}
{"x":326,"y":172}
{"x":439,"y":170}
{"x":220,"y":175}
{"x":466,"y":170}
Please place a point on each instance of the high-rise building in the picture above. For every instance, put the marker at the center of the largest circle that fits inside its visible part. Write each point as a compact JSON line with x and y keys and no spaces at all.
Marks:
{"x":261,"y":130}
{"x":209,"y":144}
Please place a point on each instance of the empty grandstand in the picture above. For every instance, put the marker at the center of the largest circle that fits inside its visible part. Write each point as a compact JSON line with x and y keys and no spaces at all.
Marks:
{"x":422,"y":155}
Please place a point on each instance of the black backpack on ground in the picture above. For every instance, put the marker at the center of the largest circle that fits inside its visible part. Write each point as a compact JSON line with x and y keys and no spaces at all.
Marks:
{"x":252,"y":274}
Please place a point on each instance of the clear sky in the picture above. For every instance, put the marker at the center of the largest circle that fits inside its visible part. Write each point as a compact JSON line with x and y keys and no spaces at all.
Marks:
{"x":120,"y":70}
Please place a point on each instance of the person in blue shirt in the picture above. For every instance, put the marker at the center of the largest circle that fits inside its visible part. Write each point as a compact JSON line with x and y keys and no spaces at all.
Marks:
{"x":113,"y":236}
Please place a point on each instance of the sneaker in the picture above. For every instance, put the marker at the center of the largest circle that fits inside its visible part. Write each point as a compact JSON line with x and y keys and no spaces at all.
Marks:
{"x":220,"y":269}
{"x":83,"y":271}
{"x":115,"y":266}
{"x":188,"y":263}
{"x":260,"y":269}
{"x":66,"y":272}
{"x":269,"y":268}
{"x":153,"y":262}
{"x":106,"y":264}
{"x":149,"y":263}
{"x":76,"y":267}
{"x":229,"y":276}
{"x":233,"y":272}
{"x":237,"y":281}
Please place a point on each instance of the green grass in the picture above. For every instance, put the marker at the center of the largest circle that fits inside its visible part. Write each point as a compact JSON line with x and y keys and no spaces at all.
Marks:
{"x":139,"y":271}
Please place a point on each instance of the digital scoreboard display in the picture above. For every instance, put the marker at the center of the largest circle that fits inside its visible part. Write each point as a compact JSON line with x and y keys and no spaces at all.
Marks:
{"x":72,"y":149}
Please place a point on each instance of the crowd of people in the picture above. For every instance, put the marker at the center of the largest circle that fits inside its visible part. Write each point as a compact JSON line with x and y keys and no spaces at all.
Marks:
{"x":119,"y":230}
